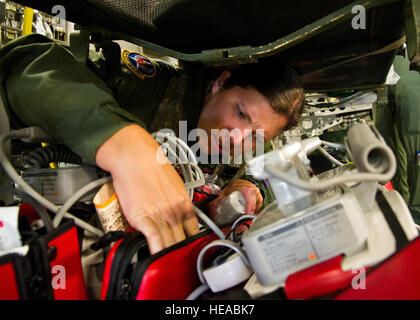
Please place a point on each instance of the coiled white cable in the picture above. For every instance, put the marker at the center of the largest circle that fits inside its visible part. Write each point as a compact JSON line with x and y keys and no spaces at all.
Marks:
{"x":183,"y":157}
{"x":217,"y":243}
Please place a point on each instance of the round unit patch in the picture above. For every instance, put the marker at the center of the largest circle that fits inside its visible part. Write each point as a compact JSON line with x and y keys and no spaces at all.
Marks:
{"x":139,"y":64}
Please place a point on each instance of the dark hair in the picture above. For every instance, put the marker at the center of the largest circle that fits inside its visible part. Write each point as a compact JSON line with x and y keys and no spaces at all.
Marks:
{"x":278,"y":82}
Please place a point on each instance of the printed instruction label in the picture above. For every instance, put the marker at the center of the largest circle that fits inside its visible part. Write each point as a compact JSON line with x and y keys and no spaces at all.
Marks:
{"x":317,"y":236}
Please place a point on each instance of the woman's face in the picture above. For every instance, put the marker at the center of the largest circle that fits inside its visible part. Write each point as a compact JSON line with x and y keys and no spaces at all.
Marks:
{"x":231,"y":117}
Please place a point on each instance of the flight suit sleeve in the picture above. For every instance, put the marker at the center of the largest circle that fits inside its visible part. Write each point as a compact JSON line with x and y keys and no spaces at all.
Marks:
{"x":46,"y":87}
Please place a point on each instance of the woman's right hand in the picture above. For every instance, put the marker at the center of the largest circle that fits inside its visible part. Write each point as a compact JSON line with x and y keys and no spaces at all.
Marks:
{"x":151,"y":194}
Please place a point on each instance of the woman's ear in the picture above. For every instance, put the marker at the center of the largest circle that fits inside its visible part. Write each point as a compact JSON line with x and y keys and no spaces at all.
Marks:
{"x":220,"y":81}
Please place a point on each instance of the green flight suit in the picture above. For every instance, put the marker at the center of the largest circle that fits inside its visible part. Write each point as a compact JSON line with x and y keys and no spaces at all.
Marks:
{"x":399,"y":123}
{"x":85,"y":104}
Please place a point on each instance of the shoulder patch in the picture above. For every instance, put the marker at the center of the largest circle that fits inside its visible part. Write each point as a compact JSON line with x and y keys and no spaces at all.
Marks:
{"x":139,"y":64}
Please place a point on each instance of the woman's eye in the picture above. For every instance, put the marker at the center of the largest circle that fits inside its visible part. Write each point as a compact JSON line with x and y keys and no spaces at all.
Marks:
{"x":240,"y":113}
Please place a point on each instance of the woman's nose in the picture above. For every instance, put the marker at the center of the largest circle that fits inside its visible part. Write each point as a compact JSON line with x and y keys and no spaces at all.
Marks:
{"x":237,"y":135}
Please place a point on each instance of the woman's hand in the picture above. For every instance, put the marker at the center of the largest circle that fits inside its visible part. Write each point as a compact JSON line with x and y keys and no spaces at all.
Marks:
{"x":251,"y":193}
{"x":152,"y":195}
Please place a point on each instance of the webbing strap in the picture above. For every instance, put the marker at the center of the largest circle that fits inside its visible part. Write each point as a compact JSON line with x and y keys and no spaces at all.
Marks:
{"x":392,"y":220}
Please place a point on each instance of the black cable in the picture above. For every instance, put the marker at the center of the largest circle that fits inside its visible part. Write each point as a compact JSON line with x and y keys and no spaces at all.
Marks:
{"x":41,"y":157}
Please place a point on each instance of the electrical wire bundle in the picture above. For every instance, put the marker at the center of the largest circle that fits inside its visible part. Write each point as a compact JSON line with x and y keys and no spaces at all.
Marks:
{"x":180,"y":155}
